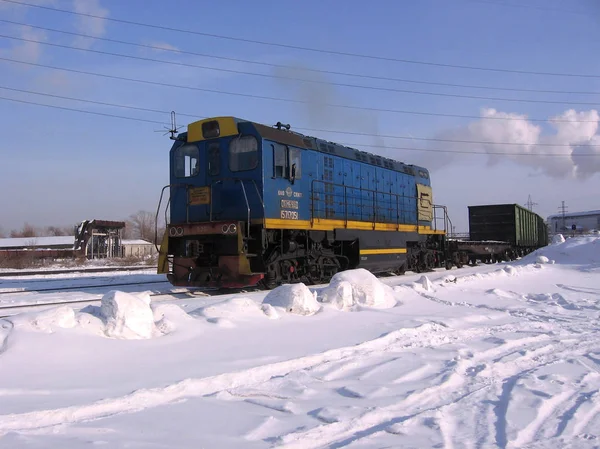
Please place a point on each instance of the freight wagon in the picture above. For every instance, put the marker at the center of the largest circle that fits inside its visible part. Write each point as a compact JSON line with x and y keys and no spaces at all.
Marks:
{"x":500,"y":232}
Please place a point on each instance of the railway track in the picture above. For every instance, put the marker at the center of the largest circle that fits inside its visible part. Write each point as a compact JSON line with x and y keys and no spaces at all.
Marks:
{"x":7,"y":311}
{"x":73,"y":270}
{"x":14,"y":291}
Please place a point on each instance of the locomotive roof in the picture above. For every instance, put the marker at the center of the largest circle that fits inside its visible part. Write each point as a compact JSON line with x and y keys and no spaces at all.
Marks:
{"x":284,"y":136}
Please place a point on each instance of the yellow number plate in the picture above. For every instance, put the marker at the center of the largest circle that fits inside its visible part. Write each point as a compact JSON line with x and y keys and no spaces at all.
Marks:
{"x":199,"y":195}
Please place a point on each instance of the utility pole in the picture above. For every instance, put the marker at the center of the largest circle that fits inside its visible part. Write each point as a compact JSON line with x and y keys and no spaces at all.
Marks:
{"x":530,"y":204}
{"x":563,"y":210}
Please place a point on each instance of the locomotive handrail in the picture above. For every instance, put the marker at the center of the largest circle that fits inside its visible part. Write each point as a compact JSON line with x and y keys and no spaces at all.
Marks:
{"x":262,"y":201}
{"x":241,"y":181}
{"x":162,"y":192}
{"x":210,"y":212}
{"x":248,"y":206}
{"x":446,"y":218}
{"x":373,"y":215}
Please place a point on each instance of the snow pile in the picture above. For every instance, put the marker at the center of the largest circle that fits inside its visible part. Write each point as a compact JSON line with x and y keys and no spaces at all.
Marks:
{"x":5,"y":328}
{"x":235,"y":309}
{"x":294,"y":298}
{"x":426,"y":284}
{"x":542,"y":260}
{"x":120,"y":315}
{"x":127,"y":316}
{"x":270,"y":311}
{"x":169,"y":317}
{"x":558,"y":238}
{"x":353,"y":288}
{"x":576,"y":250}
{"x":59,"y":317}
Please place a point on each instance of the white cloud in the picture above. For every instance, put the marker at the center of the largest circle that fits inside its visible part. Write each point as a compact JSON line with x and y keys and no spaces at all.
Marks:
{"x":5,"y":6}
{"x":162,"y":46}
{"x":93,"y":26}
{"x":23,"y":50}
{"x":575,"y":136}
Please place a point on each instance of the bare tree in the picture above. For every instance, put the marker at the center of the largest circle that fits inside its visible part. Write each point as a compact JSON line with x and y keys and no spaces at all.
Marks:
{"x":142,"y":224}
{"x":27,"y":231}
{"x":58,"y":231}
{"x":128,"y":232}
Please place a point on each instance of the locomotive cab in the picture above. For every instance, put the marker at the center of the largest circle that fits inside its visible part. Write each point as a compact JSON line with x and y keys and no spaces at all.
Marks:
{"x":215,"y":193}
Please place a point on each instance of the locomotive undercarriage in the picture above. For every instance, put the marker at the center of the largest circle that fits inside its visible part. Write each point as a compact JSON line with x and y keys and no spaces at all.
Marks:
{"x":311,"y":257}
{"x":271,"y":257}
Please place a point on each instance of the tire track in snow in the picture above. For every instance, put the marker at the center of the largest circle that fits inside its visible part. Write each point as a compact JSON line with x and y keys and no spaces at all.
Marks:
{"x":516,"y":313}
{"x":547,"y":409}
{"x":583,"y":421}
{"x":453,"y":390}
{"x":402,"y":339}
{"x":139,"y":400}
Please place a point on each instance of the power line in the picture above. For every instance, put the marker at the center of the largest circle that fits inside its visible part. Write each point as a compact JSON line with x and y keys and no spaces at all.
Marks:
{"x":426,"y":150}
{"x":100,"y":103}
{"x":435,"y":150}
{"x":263,"y":75}
{"x":82,"y":111}
{"x":197,"y":117}
{"x":523,"y":5}
{"x":297,"y":47}
{"x":288,"y":100}
{"x":304,"y":69}
{"x":433,"y":139}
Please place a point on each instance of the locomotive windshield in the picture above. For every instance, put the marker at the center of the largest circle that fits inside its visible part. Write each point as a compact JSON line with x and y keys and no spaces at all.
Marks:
{"x":185,"y":160}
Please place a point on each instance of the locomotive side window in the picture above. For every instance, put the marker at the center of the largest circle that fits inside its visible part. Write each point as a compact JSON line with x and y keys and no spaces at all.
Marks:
{"x":186,"y":161}
{"x":243,"y":153}
{"x":214,"y":159}
{"x":295,"y":164}
{"x":279,"y":161}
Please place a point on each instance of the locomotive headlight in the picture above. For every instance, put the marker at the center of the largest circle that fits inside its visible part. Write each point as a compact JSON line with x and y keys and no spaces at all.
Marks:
{"x":229,"y":228}
{"x":175,"y":231}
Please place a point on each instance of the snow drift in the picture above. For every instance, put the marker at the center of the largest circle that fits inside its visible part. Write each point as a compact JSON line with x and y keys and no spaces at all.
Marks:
{"x":575,"y":250}
{"x":294,"y":298}
{"x":127,"y":316}
{"x":351,"y":289}
{"x":226,"y":313}
{"x":120,"y":315}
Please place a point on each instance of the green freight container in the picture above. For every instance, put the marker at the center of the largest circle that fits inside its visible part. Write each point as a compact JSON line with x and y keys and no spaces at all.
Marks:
{"x":507,"y":223}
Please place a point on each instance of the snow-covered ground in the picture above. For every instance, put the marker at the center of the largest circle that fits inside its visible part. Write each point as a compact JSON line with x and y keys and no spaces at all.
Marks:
{"x":504,"y":355}
{"x":43,"y":288}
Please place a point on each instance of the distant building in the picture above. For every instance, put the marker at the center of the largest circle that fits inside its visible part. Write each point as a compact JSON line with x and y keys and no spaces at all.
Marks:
{"x":93,"y":239}
{"x":137,"y":248}
{"x":25,"y":243}
{"x":575,"y":222}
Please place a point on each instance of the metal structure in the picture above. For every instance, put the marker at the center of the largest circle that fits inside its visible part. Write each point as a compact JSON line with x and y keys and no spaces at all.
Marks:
{"x":99,"y":239}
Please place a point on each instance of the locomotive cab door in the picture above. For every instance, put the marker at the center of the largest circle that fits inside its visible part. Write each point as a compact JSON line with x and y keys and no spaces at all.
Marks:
{"x":424,"y":204}
{"x":287,"y":181}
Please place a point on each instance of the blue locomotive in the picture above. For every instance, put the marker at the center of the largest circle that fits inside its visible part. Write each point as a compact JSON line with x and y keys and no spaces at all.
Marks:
{"x":253,"y":205}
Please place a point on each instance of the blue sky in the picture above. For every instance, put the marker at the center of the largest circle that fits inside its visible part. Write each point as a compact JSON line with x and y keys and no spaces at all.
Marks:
{"x":60,"y":167}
